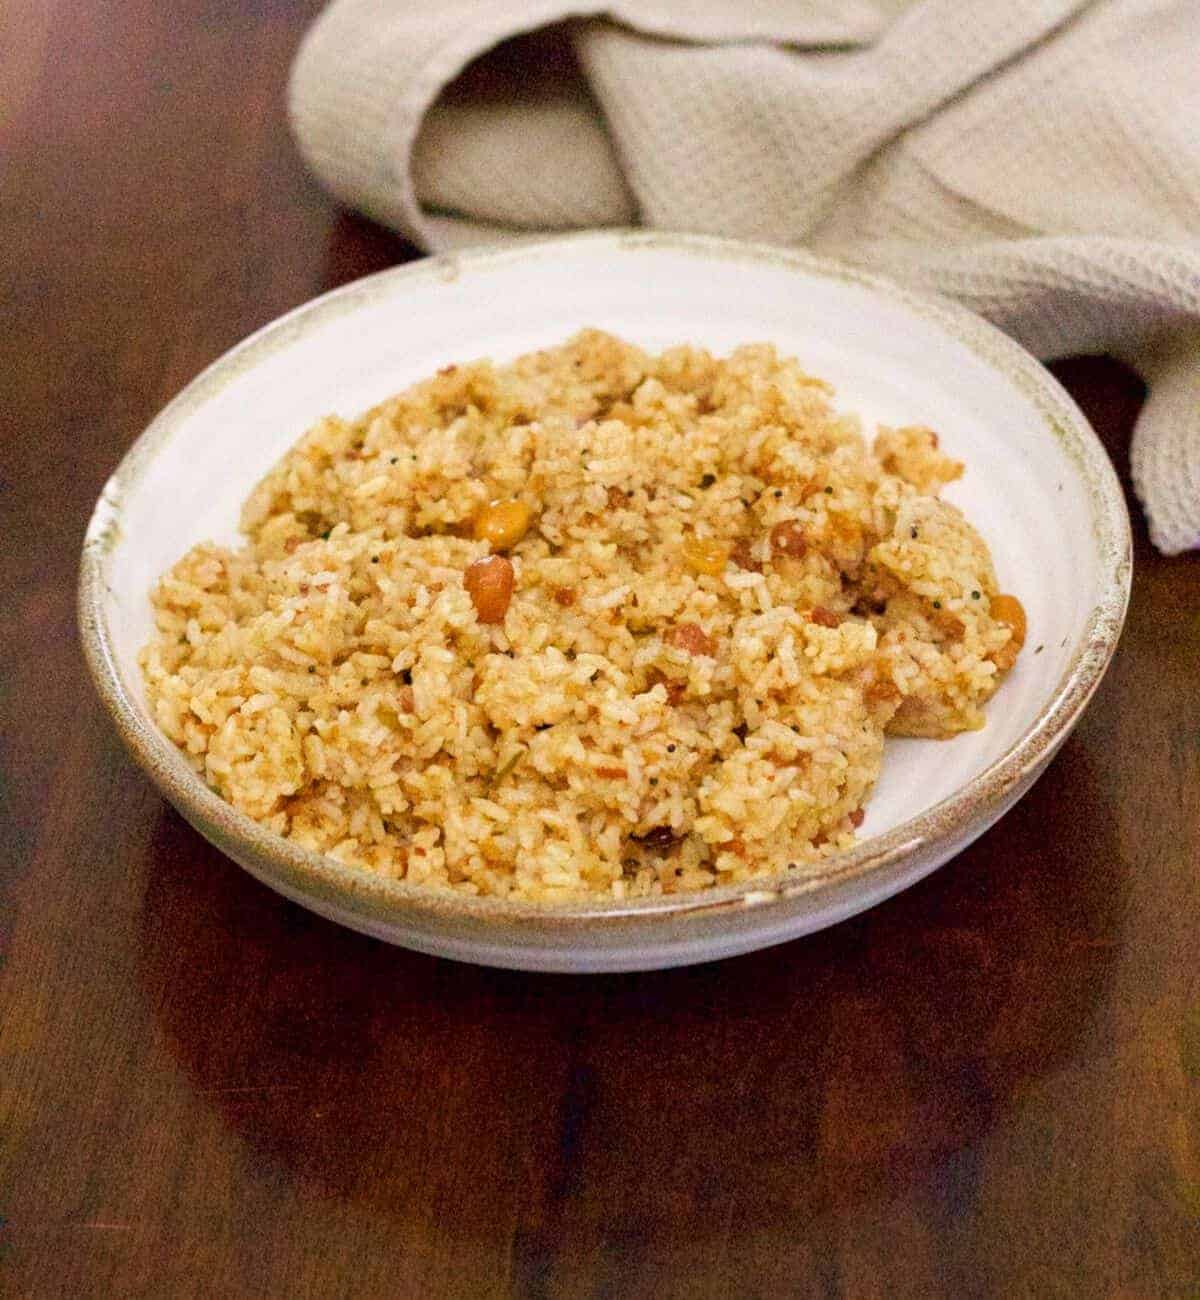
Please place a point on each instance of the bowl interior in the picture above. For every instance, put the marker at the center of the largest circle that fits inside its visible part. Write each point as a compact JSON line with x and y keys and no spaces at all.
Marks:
{"x":1035,"y":487}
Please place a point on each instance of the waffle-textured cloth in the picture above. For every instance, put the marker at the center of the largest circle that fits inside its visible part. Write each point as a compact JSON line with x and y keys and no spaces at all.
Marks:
{"x":1039,"y":160}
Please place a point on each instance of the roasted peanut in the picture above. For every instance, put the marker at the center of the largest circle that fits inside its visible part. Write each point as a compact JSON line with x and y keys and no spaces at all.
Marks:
{"x":502,"y":524}
{"x":489,"y":583}
{"x":1009,"y":611}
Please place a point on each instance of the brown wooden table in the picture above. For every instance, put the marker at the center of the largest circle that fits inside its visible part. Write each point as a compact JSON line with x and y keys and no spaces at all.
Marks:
{"x":986,"y":1087}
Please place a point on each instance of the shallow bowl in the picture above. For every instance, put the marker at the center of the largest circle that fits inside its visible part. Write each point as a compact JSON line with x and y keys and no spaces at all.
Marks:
{"x":1038,"y":486}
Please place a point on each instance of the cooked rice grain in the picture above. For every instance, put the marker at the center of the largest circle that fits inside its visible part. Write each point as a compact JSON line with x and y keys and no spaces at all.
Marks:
{"x":723,"y":599}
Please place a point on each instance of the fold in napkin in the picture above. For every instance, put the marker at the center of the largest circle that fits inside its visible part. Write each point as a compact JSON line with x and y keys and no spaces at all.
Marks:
{"x":1038,"y":160}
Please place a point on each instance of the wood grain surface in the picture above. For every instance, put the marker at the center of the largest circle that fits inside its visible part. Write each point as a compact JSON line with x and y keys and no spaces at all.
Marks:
{"x":986,"y":1087}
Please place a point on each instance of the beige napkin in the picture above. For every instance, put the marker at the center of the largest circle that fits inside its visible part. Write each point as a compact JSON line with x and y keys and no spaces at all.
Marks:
{"x":1038,"y":160}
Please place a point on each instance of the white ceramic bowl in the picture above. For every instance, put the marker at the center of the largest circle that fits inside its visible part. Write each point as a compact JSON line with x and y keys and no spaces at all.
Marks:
{"x":1038,"y":485}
